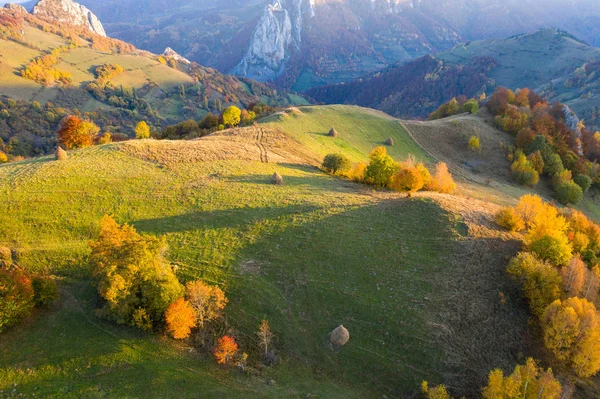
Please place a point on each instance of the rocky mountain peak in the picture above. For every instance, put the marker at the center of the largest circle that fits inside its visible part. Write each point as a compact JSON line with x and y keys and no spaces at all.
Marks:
{"x":68,"y":12}
{"x":170,"y":53}
{"x":16,"y":8}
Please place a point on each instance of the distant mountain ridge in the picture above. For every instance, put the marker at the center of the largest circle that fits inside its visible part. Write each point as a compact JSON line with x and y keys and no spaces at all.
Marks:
{"x":68,"y":12}
{"x":306,"y":43}
{"x":551,"y":61}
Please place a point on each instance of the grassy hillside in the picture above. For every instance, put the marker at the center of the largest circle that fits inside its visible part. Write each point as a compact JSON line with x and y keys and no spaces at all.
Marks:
{"x":360,"y":130}
{"x":309,"y":255}
{"x":550,"y":61}
{"x":52,"y":71}
{"x":529,"y":60}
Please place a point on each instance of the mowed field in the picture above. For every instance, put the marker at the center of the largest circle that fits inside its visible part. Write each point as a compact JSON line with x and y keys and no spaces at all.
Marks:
{"x":310,"y":255}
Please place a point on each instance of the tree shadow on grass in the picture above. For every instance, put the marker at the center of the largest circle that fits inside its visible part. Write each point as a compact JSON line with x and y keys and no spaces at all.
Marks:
{"x":418,"y":303}
{"x":229,"y":218}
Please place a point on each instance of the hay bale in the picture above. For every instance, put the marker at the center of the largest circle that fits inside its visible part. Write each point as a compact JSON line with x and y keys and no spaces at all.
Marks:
{"x":389,"y":142}
{"x":277,"y":179}
{"x":333,"y":133}
{"x":60,"y":154}
{"x":340,"y":336}
{"x":5,"y":257}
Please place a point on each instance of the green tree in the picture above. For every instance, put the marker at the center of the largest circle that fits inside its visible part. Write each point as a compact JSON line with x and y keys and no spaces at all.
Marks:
{"x":232,"y":116}
{"x":381,"y":168}
{"x":142,"y":130}
{"x":471,"y":106}
{"x":553,"y":165}
{"x":568,"y":192}
{"x":337,"y":163}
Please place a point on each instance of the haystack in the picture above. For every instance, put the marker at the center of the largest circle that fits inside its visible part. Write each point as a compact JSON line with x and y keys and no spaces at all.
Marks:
{"x":5,"y":257}
{"x":333,"y":132}
{"x":340,"y":336}
{"x":277,"y":179}
{"x":60,"y":154}
{"x":389,"y":142}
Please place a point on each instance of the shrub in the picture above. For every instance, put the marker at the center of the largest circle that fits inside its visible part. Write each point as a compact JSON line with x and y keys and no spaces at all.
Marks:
{"x":583,"y":181}
{"x":142,"y":130}
{"x":450,"y":108}
{"x":106,"y":138}
{"x":45,"y":290}
{"x":510,"y":219}
{"x":226,"y":350}
{"x":408,"y":179}
{"x":524,"y":172}
{"x":180,"y":318}
{"x":568,"y":192}
{"x":381,"y":168}
{"x":555,"y":250}
{"x":442,"y":181}
{"x":358,"y":172}
{"x":16,"y":297}
{"x":474,"y":144}
{"x":3,"y":157}
{"x":471,"y":106}
{"x":131,"y":273}
{"x":337,"y":163}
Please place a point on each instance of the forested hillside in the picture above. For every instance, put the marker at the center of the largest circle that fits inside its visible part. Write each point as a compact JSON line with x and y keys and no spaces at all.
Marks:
{"x":48,"y":71}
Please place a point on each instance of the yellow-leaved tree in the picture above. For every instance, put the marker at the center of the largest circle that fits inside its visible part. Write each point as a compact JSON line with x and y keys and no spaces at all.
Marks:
{"x":142,"y":130}
{"x":133,"y":278}
{"x":527,"y":381}
{"x":570,"y":330}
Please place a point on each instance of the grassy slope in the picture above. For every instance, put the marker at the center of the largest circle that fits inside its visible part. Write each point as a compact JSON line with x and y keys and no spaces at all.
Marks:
{"x":313,"y":254}
{"x":360,"y":130}
{"x":527,"y":60}
{"x":80,"y":62}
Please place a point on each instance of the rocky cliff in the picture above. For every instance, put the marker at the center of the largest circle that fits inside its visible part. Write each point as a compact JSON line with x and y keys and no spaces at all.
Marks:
{"x":68,"y":12}
{"x":277,"y":34}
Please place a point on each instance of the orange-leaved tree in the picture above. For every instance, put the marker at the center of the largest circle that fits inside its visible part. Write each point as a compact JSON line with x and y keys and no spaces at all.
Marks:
{"x":226,"y":350}
{"x":180,"y":318}
{"x":74,"y":132}
{"x":208,"y":301}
